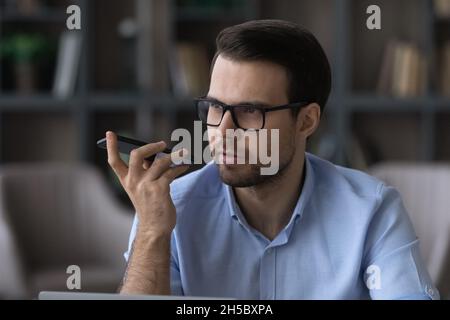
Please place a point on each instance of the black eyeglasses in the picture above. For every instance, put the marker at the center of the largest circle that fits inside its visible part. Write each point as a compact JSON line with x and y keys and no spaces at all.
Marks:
{"x":245,"y":116}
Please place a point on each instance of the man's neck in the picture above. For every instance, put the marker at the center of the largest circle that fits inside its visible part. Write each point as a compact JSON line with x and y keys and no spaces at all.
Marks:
{"x":268,"y":207}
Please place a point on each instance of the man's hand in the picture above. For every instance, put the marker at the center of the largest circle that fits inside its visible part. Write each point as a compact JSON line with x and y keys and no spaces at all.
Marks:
{"x":147,"y":185}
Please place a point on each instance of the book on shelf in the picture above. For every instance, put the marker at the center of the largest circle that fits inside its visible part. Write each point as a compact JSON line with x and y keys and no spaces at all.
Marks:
{"x":442,"y":8}
{"x":23,"y":7}
{"x":189,"y":69}
{"x":67,"y":64}
{"x":403,"y":71}
{"x":444,"y":72}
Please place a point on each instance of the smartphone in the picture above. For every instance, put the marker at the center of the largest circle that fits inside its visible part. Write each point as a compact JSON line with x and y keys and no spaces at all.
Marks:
{"x":125,"y":145}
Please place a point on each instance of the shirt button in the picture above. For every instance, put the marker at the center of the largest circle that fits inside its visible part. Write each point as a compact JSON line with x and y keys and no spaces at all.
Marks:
{"x":429,"y":291}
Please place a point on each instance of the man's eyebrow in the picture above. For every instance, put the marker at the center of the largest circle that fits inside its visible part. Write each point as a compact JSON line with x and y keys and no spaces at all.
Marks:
{"x":251,"y":102}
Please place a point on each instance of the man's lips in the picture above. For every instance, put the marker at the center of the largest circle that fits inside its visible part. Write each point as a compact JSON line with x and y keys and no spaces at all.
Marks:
{"x":228,"y":154}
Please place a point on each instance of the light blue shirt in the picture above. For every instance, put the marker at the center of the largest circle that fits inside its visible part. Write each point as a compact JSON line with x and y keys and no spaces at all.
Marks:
{"x":349,"y":237}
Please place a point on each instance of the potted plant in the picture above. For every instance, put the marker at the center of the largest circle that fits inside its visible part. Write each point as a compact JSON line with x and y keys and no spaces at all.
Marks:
{"x":24,"y":51}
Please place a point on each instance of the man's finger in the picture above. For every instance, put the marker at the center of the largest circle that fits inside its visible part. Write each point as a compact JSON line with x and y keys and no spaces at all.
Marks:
{"x":158,"y":167}
{"x":162,"y":164}
{"x":174,"y":172}
{"x":117,"y":164}
{"x":137,"y":156}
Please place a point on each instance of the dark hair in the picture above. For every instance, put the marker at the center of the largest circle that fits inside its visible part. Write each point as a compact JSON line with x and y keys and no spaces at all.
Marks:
{"x":286,"y":44}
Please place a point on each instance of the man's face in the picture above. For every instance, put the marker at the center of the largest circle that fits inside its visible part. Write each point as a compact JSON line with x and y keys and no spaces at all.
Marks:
{"x":256,"y":82}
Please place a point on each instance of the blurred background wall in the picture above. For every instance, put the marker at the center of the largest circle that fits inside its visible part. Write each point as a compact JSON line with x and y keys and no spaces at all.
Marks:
{"x":134,"y":68}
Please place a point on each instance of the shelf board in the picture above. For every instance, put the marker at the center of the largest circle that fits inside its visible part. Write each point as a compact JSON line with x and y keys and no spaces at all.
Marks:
{"x":442,"y":103}
{"x":98,"y":101}
{"x":374,"y":103}
{"x":106,"y":101}
{"x":190,"y":14}
{"x":131,"y":101}
{"x":48,"y":15}
{"x":39,"y":102}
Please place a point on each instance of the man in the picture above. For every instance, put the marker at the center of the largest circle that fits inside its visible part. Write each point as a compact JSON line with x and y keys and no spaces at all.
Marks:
{"x":313,"y":230}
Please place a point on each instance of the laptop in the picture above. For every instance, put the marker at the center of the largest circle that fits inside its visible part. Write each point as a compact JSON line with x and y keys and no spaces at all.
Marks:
{"x":66,"y":295}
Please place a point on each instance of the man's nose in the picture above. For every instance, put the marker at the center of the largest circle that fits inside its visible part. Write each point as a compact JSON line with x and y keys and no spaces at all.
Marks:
{"x":227,"y":123}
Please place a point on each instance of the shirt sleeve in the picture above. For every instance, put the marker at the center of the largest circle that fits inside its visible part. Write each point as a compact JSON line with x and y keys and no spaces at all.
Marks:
{"x":175,"y":278}
{"x":393,"y":267}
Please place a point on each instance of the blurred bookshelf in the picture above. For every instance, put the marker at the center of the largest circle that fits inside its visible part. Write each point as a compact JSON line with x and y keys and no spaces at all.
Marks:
{"x":141,"y":62}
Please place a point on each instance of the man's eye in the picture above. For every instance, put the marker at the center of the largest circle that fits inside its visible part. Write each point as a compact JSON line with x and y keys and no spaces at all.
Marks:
{"x":215,"y":106}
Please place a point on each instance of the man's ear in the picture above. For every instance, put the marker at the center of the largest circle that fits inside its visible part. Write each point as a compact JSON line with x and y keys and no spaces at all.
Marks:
{"x":308,"y":119}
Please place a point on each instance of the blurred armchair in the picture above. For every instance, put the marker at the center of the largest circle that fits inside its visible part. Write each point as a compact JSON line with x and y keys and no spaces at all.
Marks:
{"x":425,"y":189}
{"x":53,"y":216}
